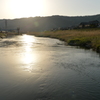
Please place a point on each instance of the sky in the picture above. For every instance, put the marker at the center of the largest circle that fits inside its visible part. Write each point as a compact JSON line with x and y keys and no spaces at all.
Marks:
{"x":11,"y":9}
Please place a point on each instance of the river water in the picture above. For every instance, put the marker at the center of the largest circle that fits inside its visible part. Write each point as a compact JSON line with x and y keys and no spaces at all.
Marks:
{"x":35,"y":68}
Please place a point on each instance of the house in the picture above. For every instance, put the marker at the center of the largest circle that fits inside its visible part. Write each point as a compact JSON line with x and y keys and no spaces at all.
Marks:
{"x":90,"y":24}
{"x":84,"y":24}
{"x":94,"y":23}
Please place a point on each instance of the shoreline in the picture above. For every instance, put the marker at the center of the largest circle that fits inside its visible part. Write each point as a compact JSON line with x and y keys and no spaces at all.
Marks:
{"x":86,"y":45}
{"x":87,"y":39}
{"x":83,"y":38}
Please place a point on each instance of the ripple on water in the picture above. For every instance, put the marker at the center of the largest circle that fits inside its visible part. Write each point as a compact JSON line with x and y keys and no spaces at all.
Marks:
{"x":45,"y":69}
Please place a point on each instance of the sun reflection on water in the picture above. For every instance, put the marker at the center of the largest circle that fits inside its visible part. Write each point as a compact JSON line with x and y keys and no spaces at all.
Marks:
{"x":29,"y":39}
{"x":29,"y":57}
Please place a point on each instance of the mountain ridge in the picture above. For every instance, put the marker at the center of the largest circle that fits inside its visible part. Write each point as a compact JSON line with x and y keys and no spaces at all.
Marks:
{"x":45,"y":23}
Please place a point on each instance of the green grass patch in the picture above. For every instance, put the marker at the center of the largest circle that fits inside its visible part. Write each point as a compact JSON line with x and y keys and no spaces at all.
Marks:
{"x":82,"y":42}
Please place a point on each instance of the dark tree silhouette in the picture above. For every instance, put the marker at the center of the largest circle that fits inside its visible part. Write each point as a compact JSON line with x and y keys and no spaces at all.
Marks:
{"x":18,"y":30}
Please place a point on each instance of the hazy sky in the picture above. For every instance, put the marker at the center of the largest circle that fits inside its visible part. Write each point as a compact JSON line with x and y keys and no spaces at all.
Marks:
{"x":10,"y":9}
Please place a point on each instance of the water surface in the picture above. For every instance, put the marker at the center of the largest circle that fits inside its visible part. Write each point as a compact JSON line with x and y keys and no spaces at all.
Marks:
{"x":33,"y":68}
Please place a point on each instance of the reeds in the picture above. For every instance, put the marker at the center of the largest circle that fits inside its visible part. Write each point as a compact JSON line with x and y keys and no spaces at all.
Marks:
{"x":87,"y":38}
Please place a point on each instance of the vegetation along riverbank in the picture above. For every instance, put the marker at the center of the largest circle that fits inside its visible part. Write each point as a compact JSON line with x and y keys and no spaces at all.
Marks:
{"x":86,"y":38}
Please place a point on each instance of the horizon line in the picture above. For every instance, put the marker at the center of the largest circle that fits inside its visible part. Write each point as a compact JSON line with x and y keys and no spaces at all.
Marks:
{"x":49,"y":16}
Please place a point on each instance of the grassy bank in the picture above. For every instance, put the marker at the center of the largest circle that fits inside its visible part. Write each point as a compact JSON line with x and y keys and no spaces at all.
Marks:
{"x":86,"y":38}
{"x":2,"y":35}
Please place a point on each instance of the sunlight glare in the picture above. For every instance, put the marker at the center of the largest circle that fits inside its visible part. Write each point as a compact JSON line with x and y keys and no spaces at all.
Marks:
{"x":29,"y":39}
{"x":26,"y":8}
{"x":29,"y":57}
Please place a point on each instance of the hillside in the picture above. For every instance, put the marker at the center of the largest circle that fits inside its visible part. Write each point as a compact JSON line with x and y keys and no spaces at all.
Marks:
{"x":46,"y":23}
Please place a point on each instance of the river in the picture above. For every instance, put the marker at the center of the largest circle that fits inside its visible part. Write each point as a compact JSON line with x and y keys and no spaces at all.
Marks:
{"x":36,"y":68}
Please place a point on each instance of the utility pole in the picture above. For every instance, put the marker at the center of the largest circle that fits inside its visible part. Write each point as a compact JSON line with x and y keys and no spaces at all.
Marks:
{"x":18,"y":30}
{"x":6,"y":25}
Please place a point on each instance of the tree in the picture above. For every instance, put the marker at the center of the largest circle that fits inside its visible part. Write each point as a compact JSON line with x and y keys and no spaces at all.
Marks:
{"x":18,"y":30}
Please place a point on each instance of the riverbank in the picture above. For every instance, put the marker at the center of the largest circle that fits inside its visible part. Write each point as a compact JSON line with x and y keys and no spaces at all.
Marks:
{"x":4,"y":35}
{"x":86,"y":38}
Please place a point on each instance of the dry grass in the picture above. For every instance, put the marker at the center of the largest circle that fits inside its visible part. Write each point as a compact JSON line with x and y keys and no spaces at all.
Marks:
{"x":83,"y":35}
{"x":79,"y":37}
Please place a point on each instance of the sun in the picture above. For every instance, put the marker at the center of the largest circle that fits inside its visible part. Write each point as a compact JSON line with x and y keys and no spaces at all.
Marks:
{"x":26,"y":8}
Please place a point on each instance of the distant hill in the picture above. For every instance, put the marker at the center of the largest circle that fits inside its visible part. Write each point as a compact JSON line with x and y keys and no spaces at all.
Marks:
{"x":46,"y":23}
